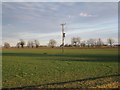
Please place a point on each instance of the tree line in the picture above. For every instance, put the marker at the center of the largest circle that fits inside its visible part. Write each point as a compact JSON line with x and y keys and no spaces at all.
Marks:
{"x":75,"y":42}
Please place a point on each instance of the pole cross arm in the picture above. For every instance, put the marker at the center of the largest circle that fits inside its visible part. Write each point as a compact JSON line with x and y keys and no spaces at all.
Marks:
{"x":63,"y":34}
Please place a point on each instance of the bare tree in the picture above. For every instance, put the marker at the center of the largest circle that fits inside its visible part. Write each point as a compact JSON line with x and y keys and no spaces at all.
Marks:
{"x":18,"y":44}
{"x":30,"y":44}
{"x":22,"y":43}
{"x":83,"y":43}
{"x":37,"y":43}
{"x":6,"y":45}
{"x":110,"y":41}
{"x":99,"y":42}
{"x":91,"y":42}
{"x":52,"y":43}
{"x":75,"y":41}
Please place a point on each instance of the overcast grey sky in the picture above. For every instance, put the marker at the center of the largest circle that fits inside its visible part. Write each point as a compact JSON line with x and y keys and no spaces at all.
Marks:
{"x":59,"y":0}
{"x":41,"y":21}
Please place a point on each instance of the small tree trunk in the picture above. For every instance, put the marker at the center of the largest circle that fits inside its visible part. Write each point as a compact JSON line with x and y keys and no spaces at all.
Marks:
{"x":36,"y":46}
{"x":22,"y":46}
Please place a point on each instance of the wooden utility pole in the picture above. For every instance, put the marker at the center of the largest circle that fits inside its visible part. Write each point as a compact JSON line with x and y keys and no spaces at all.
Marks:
{"x":63,"y":36}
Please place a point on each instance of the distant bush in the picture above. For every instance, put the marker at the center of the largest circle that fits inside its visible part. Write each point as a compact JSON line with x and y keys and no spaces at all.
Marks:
{"x":6,"y":45}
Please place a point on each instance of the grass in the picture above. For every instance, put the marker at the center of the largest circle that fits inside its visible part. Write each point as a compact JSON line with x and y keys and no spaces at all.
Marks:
{"x":41,"y":66}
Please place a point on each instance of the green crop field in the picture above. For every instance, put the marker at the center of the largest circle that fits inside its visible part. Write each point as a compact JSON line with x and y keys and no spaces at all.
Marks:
{"x":34,"y":67}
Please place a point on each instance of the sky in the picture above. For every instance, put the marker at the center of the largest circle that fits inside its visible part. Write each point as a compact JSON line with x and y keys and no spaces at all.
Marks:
{"x":42,"y":21}
{"x":59,"y":0}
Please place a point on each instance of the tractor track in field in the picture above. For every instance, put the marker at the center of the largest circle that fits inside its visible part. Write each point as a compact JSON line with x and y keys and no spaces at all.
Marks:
{"x":85,"y":83}
{"x":110,"y":81}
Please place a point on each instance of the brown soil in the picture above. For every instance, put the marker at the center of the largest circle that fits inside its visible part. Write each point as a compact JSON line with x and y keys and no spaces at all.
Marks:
{"x":58,"y":48}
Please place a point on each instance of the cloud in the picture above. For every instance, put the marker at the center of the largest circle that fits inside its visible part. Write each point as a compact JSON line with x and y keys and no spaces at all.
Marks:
{"x":85,"y":14}
{"x":70,"y":16}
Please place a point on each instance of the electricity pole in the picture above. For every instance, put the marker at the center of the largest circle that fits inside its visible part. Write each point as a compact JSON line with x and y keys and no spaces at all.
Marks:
{"x":63,"y":36}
